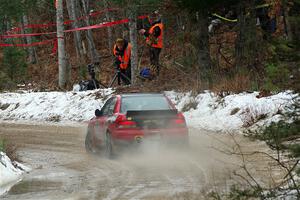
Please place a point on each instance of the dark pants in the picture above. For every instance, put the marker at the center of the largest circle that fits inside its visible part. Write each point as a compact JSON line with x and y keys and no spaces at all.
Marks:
{"x":127,"y":73}
{"x":154,"y":57}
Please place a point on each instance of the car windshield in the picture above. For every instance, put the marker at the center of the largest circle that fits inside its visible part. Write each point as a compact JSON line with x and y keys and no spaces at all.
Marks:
{"x":144,"y":103}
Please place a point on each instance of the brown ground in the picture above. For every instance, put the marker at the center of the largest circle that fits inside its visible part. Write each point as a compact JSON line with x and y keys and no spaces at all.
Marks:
{"x":63,"y":170}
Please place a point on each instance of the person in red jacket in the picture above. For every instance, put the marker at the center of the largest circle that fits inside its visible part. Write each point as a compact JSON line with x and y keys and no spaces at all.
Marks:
{"x":154,"y":39}
{"x":122,"y":53}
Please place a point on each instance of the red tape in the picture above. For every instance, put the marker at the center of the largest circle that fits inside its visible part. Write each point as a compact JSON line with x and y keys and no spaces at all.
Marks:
{"x":102,"y":25}
{"x":93,"y":14}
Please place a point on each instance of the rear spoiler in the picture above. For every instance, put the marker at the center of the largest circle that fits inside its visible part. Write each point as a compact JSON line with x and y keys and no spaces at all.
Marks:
{"x":150,"y":114}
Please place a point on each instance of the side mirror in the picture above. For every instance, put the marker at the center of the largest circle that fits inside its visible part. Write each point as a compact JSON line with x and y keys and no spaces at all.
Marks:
{"x":98,"y":113}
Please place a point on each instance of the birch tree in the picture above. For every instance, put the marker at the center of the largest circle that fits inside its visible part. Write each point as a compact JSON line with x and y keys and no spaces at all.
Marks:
{"x":133,"y":41}
{"x":30,"y":50}
{"x":62,"y":62}
{"x":109,"y":29}
{"x":72,"y":11}
{"x":89,"y":35}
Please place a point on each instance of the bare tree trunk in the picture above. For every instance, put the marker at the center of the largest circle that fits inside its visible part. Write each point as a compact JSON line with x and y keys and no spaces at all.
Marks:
{"x":204,"y":60}
{"x":62,"y":62}
{"x":291,"y":21}
{"x":133,"y":41}
{"x":89,"y":35}
{"x":246,"y":44}
{"x":109,"y":29}
{"x":71,"y":6}
{"x":241,"y":36}
{"x":30,"y":50}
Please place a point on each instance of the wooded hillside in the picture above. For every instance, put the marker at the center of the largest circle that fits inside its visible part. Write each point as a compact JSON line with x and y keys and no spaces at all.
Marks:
{"x":219,"y":45}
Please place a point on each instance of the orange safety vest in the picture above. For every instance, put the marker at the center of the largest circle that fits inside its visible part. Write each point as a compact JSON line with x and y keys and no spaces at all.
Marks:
{"x":159,"y":42}
{"x":125,"y":59}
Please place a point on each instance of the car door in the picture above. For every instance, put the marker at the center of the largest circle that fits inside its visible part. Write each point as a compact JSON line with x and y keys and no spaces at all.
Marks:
{"x":101,"y":122}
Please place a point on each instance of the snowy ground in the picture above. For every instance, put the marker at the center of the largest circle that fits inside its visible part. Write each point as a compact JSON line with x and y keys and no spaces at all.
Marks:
{"x":205,"y":111}
{"x":10,"y":172}
{"x":233,"y":112}
{"x":51,"y":106}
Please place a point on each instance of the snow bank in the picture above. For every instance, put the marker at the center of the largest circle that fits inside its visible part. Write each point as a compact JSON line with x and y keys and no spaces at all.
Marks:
{"x":210,"y":111}
{"x":51,"y":106}
{"x":9,"y":174}
{"x":232,"y":112}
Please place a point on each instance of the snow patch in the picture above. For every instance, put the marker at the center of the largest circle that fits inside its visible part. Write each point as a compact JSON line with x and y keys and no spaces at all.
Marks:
{"x":52,"y":106}
{"x":10,"y":172}
{"x":232,"y":112}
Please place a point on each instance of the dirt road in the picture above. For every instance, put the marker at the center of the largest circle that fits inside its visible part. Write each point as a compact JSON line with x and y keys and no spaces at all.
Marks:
{"x":63,"y":170}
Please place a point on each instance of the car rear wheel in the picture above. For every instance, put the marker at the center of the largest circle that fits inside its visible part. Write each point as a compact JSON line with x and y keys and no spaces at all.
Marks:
{"x":88,"y":143}
{"x":108,"y":146}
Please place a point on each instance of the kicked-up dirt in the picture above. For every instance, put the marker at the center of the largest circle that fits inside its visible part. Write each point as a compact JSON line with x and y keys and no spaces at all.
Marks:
{"x":61,"y":168}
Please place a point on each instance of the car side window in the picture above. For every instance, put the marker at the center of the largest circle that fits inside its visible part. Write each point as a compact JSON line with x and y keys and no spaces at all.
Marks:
{"x":108,"y":108}
{"x":105,"y":106}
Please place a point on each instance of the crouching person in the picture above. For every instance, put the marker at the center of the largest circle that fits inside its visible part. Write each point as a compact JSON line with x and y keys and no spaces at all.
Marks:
{"x":122,"y":53}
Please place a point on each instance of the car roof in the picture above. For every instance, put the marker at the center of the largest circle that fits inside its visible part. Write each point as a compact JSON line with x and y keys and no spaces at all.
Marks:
{"x":141,"y":94}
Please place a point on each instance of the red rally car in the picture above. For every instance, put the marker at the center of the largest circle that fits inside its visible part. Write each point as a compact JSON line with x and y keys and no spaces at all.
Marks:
{"x":132,"y":118}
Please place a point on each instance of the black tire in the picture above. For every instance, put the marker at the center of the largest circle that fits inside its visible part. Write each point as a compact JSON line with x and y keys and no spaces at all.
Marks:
{"x":108,"y":146}
{"x":88,"y":143}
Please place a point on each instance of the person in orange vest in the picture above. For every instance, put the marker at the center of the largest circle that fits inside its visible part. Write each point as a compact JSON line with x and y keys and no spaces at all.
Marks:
{"x":154,"y":39}
{"x":122,"y":53}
